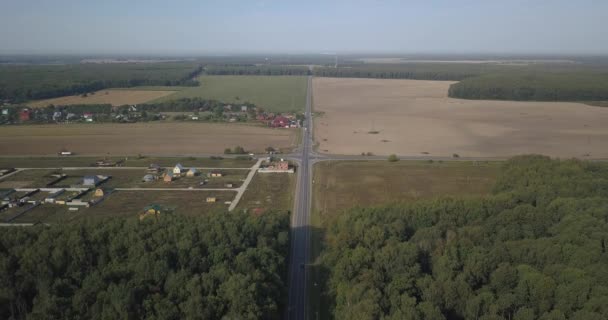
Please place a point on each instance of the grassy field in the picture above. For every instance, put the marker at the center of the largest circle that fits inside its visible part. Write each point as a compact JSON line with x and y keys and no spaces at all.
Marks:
{"x":339,"y":185}
{"x":113,"y":97}
{"x":273,"y":93}
{"x":342,"y":185}
{"x":27,"y":179}
{"x":269,"y":191}
{"x":111,"y":139}
{"x":125,"y":204}
{"x":129,"y":161}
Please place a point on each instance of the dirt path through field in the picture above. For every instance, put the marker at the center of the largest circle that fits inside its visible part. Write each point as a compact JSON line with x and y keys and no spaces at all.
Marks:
{"x":411,"y":117}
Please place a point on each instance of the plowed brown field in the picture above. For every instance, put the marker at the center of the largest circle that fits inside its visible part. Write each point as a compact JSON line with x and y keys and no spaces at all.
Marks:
{"x":412,"y":117}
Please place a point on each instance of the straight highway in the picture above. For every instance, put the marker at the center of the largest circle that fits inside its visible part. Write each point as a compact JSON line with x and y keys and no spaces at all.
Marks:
{"x":300,"y":226}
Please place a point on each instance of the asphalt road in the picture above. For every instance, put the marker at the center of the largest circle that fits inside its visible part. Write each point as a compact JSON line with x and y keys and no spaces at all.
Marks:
{"x":297,"y":306}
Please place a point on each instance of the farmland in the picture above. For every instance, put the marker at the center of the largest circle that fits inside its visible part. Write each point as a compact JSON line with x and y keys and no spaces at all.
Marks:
{"x":415,"y":117}
{"x":340,"y":185}
{"x":113,"y":97}
{"x":273,"y":93}
{"x":140,"y":138}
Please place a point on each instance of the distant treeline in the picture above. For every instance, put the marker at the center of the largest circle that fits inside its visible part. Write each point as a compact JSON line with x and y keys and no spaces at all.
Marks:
{"x":264,"y":70}
{"x":543,"y":82}
{"x":536,"y":249}
{"x":528,"y":86}
{"x":416,"y":71}
{"x":20,"y":83}
{"x":215,"y":266}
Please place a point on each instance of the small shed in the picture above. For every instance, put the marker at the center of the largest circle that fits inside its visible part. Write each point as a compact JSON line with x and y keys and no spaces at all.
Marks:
{"x":168,"y":177}
{"x":148,"y":178}
{"x":178,"y":169}
{"x":99,"y":192}
{"x":193,"y":172}
{"x":215,"y":174}
{"x":90,"y":180}
{"x":211,"y":199}
{"x":228,"y":185}
{"x":151,"y":210}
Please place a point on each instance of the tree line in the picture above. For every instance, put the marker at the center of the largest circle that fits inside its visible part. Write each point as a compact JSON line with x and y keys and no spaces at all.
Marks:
{"x":257,"y":70}
{"x":535,"y":249}
{"x":525,"y":86}
{"x":216,"y":266}
{"x":19,"y":83}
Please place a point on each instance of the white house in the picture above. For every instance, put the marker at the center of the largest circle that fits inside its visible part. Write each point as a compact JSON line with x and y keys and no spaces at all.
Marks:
{"x":178,"y":169}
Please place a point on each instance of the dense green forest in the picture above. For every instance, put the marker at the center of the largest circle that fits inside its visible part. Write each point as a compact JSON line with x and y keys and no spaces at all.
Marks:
{"x":416,"y":71}
{"x":217,"y":266}
{"x":262,"y":70}
{"x":535,"y":249}
{"x":19,"y":83}
{"x":535,"y":86}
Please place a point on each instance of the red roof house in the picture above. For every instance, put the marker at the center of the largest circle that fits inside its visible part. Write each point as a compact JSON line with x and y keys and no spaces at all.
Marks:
{"x":280,"y":122}
{"x":24,"y":115}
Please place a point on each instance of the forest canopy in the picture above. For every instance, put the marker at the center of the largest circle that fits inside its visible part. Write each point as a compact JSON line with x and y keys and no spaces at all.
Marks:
{"x":209,"y":267}
{"x":535,"y":249}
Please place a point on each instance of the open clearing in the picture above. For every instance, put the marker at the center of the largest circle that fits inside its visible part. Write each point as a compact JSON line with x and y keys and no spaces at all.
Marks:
{"x":273,"y":93}
{"x":173,"y":138}
{"x":110,"y":96}
{"x":413,"y":117}
{"x":345,"y":184}
{"x":269,"y":191}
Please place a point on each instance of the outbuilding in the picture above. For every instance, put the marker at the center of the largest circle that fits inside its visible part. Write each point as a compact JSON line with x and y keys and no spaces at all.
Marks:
{"x":193,"y":172}
{"x":90,"y":181}
{"x":148,"y":178}
{"x":168,"y":177}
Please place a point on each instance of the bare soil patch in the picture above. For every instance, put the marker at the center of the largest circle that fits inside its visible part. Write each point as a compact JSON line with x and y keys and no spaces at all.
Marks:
{"x":414,"y":117}
{"x":172,"y":138}
{"x":113,"y":97}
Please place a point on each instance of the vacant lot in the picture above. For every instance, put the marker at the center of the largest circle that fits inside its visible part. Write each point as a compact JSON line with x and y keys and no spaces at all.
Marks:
{"x":139,"y":138}
{"x":269,"y":191}
{"x":273,"y":93}
{"x":121,"y":203}
{"x":113,"y":97}
{"x":411,"y":117}
{"x":344,"y":184}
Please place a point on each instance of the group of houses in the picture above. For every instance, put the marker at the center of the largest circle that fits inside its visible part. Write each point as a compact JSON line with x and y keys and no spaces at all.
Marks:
{"x":272,"y":166}
{"x":279,"y":121}
{"x":155,"y":172}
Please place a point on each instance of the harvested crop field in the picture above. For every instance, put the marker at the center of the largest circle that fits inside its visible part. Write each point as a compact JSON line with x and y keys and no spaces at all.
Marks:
{"x":113,"y":97}
{"x":413,"y":117}
{"x":172,"y":138}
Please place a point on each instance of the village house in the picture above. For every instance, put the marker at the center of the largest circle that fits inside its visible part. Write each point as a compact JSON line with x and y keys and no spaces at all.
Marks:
{"x":154,"y":168}
{"x":98,"y":192}
{"x":168,"y":177}
{"x":151,"y":210}
{"x":25,"y":114}
{"x":178,"y":169}
{"x":211,"y":199}
{"x":244,"y":108}
{"x":192,"y":172}
{"x":280,"y":122}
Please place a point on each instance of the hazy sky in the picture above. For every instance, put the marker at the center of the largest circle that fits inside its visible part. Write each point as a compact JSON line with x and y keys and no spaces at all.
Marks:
{"x":231,"y":26}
